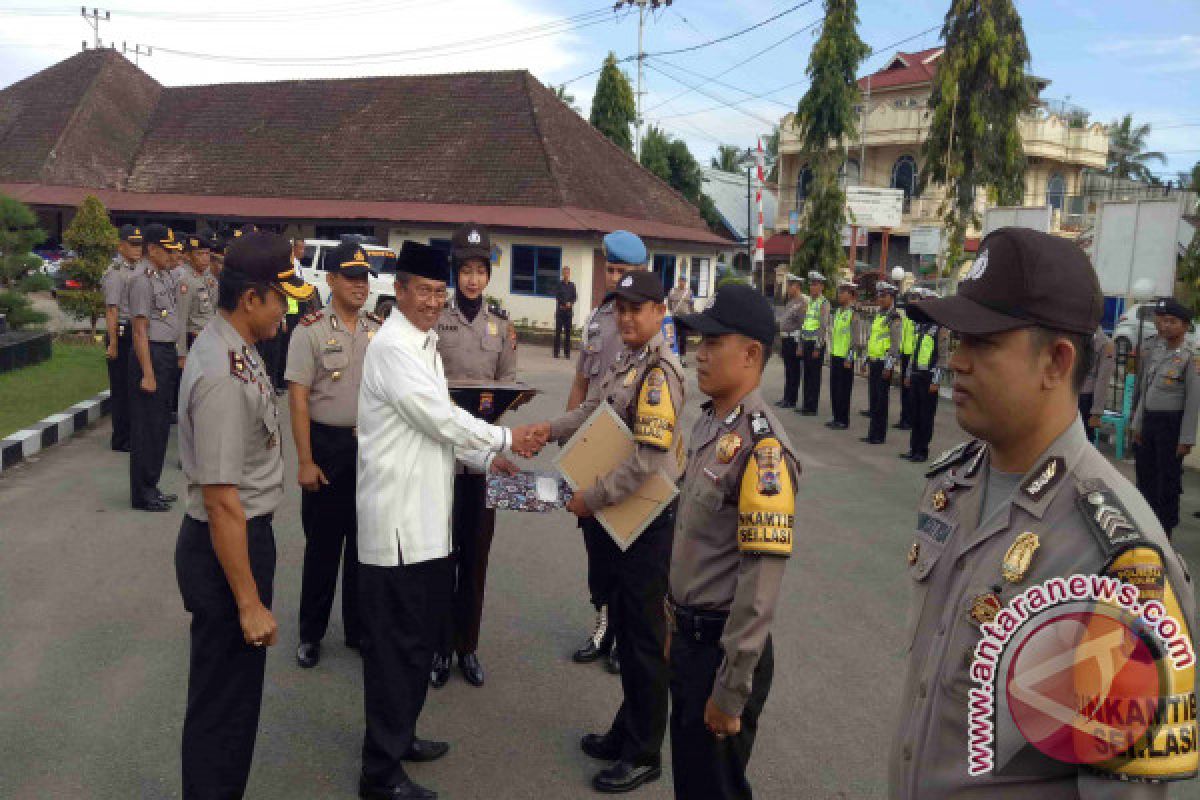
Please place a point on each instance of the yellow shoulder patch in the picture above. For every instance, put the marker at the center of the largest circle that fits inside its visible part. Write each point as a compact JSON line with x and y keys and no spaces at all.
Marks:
{"x":654,"y":422}
{"x":766,"y":502}
{"x":1169,"y":748}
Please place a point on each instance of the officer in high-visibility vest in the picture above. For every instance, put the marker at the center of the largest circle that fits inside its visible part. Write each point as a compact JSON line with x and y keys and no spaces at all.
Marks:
{"x":841,"y":356}
{"x":883,"y":353}
{"x":931,"y":348}
{"x":813,"y":335}
{"x":908,"y":343}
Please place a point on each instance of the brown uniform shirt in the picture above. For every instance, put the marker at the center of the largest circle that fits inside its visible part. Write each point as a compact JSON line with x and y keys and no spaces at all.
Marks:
{"x":733,"y":533}
{"x":601,"y":346}
{"x":793,"y":317}
{"x":1086,"y":519}
{"x":154,"y":294}
{"x":197,"y":304}
{"x":328,"y":358}
{"x":645,"y":388}
{"x":483,"y":350}
{"x":1104,"y":364}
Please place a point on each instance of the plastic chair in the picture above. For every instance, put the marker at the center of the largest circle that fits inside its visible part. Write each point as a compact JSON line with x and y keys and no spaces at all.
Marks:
{"x":1118,"y":420}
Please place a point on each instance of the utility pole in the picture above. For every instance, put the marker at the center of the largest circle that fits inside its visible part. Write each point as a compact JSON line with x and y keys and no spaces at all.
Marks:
{"x":93,"y":20}
{"x":137,"y":51}
{"x":654,"y":5}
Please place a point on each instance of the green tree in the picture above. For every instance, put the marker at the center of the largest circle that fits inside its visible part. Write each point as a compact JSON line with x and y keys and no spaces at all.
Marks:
{"x":613,"y":109}
{"x":1127,"y":154}
{"x":19,"y":234}
{"x":568,"y":99}
{"x":1189,"y":272}
{"x":671,"y":160}
{"x":728,"y":158}
{"x":825,"y":121}
{"x":980,"y":91}
{"x":771,"y":150}
{"x":94,"y":240}
{"x":656,"y":148}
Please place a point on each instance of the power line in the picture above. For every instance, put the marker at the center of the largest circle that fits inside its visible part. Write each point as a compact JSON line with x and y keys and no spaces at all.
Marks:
{"x":699,"y":90}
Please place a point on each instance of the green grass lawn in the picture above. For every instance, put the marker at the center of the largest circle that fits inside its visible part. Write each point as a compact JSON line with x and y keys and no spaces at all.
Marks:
{"x":75,"y":372}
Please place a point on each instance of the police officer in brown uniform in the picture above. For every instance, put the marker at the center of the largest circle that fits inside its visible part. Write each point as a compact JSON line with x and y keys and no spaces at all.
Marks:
{"x":1027,"y":503}
{"x":733,"y":535}
{"x":324,"y":372}
{"x":789,"y":348}
{"x":119,"y":331}
{"x":476,"y":343}
{"x":1093,"y":396}
{"x":197,"y":291}
{"x":153,"y":296}
{"x":645,"y":388}
{"x":623,"y":251}
{"x":230,"y":444}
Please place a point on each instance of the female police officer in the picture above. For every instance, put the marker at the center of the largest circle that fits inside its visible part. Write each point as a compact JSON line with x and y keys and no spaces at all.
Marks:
{"x":476,"y":343}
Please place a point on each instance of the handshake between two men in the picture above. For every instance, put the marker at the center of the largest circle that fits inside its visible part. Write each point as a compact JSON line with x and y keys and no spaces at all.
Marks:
{"x":527,"y":442}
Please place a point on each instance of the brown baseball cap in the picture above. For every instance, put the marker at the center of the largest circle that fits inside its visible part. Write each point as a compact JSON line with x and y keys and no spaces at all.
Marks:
{"x":1023,"y":278}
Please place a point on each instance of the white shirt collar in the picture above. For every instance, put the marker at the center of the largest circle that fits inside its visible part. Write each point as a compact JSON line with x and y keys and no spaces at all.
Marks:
{"x":411,"y":334}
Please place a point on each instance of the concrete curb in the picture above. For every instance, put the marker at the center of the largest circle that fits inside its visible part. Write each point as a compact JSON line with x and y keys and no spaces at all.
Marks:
{"x":55,"y":428}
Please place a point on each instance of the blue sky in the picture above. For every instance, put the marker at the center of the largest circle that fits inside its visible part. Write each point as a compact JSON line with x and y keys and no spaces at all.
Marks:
{"x":1108,"y":56}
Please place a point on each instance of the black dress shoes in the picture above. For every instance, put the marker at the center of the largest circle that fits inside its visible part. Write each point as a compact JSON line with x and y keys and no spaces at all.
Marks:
{"x":168,"y":498}
{"x":422,"y":750}
{"x":401,"y":791}
{"x":864,"y":413}
{"x":806,"y":413}
{"x":604,"y":747}
{"x":782,"y":404}
{"x":471,"y":669}
{"x":354,"y":644}
{"x":153,"y":505}
{"x":308,"y":654}
{"x":906,"y":456}
{"x":920,"y":458}
{"x":902,"y":426}
{"x":612,"y":662}
{"x":834,"y":425}
{"x":440,"y":672}
{"x":869,"y":440}
{"x":625,"y":777}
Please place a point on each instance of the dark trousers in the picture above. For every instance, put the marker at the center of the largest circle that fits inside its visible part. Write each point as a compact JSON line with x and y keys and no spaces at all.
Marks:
{"x":1085,"y":405}
{"x":284,"y":339}
{"x":599,"y":563}
{"x":704,"y":767}
{"x":877,"y":399}
{"x":118,"y":387}
{"x":789,"y":352}
{"x":635,"y":616}
{"x":149,"y":421}
{"x":841,"y":384}
{"x":472,"y":525}
{"x":225,"y":675}
{"x":330,"y":522}
{"x":924,"y":405}
{"x":681,"y":337}
{"x":401,"y":612}
{"x":1159,"y":469}
{"x":269,"y":350}
{"x":562,"y":332}
{"x":814,"y":358}
{"x":906,"y":409}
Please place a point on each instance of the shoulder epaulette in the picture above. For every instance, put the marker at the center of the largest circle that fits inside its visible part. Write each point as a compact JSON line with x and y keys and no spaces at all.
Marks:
{"x":953,"y":457}
{"x":1110,"y":523}
{"x":498,"y":312}
{"x":760,"y":426}
{"x":311,"y":317}
{"x":238,"y":367}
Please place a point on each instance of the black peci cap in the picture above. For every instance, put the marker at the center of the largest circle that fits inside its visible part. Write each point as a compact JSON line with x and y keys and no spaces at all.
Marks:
{"x":471,"y":241}
{"x":423,"y":261}
{"x":1023,"y":278}
{"x":265,"y":258}
{"x":162,"y":236}
{"x":639,"y":286}
{"x":131,"y":234}
{"x":348,"y":259}
{"x":737,"y":308}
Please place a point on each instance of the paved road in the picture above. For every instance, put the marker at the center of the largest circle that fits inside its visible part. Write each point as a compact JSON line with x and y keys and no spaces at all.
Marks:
{"x":93,"y":639}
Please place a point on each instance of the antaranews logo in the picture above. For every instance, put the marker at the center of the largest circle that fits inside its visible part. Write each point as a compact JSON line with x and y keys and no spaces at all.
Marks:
{"x":1079,"y":665}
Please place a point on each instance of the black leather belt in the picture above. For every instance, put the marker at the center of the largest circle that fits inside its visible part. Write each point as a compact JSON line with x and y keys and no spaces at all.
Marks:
{"x":699,"y":625}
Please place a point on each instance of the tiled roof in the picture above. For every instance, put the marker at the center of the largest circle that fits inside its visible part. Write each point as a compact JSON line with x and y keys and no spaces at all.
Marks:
{"x":905,"y":69}
{"x":486,"y":139}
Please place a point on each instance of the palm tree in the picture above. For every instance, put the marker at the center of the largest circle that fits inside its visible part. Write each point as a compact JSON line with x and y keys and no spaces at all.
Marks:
{"x":1127,"y":153}
{"x":729,"y":158}
{"x":1190,"y":180}
{"x":569,"y":99}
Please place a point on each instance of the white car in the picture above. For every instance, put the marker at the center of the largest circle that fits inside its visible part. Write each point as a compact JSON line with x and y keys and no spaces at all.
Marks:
{"x":383,"y":265}
{"x":1125,"y":333}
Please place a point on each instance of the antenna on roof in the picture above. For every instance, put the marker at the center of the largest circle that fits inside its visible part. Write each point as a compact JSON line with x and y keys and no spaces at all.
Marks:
{"x":137,"y":50}
{"x":93,"y":20}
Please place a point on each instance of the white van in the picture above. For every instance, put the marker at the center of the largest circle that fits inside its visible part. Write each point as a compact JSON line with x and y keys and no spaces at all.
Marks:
{"x":383,"y":264}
